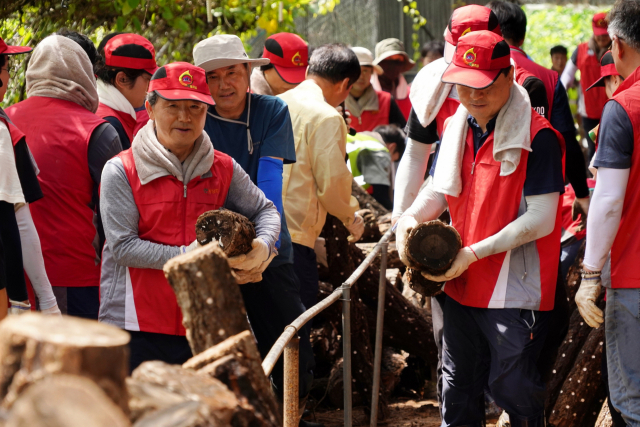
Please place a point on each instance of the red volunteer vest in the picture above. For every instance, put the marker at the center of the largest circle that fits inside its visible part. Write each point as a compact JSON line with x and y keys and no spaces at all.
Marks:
{"x":405,"y":105}
{"x":168,"y":213}
{"x":370,"y":119}
{"x":142,"y":119}
{"x":58,"y":132}
{"x":549,"y":78}
{"x":589,"y":67}
{"x":625,"y":251}
{"x":128,"y":123}
{"x":487,"y":203}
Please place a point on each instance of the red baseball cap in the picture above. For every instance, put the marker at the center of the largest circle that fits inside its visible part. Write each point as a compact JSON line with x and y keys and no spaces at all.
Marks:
{"x":599,"y":24}
{"x":478,"y":59}
{"x":289,"y":55}
{"x":607,"y":68}
{"x":181,"y":81}
{"x":130,"y":51}
{"x":465,"y":20}
{"x":5,"y":49}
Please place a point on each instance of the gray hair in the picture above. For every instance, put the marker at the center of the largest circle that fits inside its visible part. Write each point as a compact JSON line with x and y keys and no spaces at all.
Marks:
{"x":624,"y":22}
{"x":152,"y":97}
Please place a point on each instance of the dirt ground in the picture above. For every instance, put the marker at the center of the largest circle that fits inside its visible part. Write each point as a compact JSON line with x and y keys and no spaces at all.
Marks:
{"x":403,"y":413}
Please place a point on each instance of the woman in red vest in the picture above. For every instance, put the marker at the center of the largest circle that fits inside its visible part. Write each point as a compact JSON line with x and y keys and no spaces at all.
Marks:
{"x":127,"y":62}
{"x":151,"y":197}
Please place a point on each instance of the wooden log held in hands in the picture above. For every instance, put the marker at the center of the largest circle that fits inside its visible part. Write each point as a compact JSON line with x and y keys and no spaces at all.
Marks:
{"x":233,"y":232}
{"x":34,"y":346}
{"x":431,"y":247}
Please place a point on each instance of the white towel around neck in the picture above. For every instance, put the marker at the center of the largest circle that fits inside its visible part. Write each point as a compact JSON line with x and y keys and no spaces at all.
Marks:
{"x":113,"y":98}
{"x":512,"y":134}
{"x":428,"y":93}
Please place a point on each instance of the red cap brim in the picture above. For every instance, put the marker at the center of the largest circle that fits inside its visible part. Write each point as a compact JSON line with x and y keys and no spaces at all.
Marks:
{"x":598,"y":83}
{"x":476,"y":79}
{"x":13,"y":50}
{"x":185,"y":95}
{"x":291,"y":75}
{"x":599,"y":31}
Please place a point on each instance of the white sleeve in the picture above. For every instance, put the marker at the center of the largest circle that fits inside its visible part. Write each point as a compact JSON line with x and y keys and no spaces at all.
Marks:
{"x":537,"y":222}
{"x":569,"y":74}
{"x":409,"y":177}
{"x":604,"y":216}
{"x":429,"y":204}
{"x":33,"y":260}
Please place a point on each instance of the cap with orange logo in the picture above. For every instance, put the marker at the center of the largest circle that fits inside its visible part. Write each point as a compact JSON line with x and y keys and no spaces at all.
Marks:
{"x":465,"y":20}
{"x":599,"y":24}
{"x":289,"y":55}
{"x":478,"y":59}
{"x":181,"y":81}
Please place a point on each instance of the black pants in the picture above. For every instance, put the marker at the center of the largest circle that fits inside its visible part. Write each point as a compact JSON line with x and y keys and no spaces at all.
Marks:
{"x":13,"y":268}
{"x":145,"y":346}
{"x":494,"y":348}
{"x":588,"y":124}
{"x":306,"y":268}
{"x":82,"y":301}
{"x":271,"y":305}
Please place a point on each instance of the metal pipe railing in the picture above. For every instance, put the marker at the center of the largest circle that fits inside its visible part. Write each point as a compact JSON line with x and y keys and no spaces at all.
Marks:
{"x":377,"y":359}
{"x":292,"y":330}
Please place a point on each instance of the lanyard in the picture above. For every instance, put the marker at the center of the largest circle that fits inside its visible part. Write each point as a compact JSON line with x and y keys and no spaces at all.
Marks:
{"x":249,"y":140}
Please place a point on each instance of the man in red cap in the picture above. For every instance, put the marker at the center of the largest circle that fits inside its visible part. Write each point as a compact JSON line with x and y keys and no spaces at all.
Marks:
{"x":151,"y":197}
{"x":289,"y":56}
{"x":499,"y":172}
{"x":586,"y":58}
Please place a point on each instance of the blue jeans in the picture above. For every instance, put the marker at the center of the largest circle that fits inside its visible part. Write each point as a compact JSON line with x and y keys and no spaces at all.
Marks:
{"x":622,"y":330}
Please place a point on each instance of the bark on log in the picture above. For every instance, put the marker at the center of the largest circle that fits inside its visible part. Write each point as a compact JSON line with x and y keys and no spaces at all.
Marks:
{"x":206,"y":290}
{"x":420,"y":284}
{"x":432,"y":247}
{"x":393,"y":259}
{"x":243,"y":374}
{"x":367,"y":201}
{"x":604,"y":417}
{"x":233,"y":232}
{"x":222,"y":403}
{"x":65,"y":401}
{"x":146,"y":398}
{"x":189,"y":413}
{"x":582,"y":386}
{"x":34,"y":346}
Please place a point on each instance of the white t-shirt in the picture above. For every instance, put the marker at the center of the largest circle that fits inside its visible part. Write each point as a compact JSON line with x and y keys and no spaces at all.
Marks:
{"x":10,"y":188}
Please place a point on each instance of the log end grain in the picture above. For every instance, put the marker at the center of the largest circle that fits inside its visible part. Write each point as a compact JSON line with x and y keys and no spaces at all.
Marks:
{"x":233,"y":232}
{"x":422,"y":285}
{"x":432,"y":246}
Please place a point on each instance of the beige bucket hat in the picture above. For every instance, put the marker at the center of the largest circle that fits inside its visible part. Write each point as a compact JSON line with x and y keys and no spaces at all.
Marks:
{"x":221,"y":51}
{"x":389,"y":47}
{"x":365,"y":58}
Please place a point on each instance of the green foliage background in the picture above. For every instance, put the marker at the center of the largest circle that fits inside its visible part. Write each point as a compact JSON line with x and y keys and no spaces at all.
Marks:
{"x":550,"y":25}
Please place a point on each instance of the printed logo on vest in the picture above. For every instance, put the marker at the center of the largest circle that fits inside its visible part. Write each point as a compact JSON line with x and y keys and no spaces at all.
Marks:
{"x":297,"y":60}
{"x":211,"y":191}
{"x":186,"y":79}
{"x":469,"y":58}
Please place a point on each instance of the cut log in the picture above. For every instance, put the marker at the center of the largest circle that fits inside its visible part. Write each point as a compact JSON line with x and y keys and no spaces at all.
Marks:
{"x":146,"y":398}
{"x":420,"y":284}
{"x":237,"y":363}
{"x":604,"y":417}
{"x":582,"y":386}
{"x":206,"y":290}
{"x":189,"y":413}
{"x":233,"y":232}
{"x":222,"y":403}
{"x":432,"y":247}
{"x":65,"y":401}
{"x":34,"y":346}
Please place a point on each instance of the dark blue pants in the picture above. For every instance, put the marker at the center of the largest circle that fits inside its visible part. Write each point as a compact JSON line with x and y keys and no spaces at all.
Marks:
{"x":492,"y":348}
{"x":145,"y":346}
{"x":80,"y":301}
{"x":306,"y":268}
{"x":271,"y":305}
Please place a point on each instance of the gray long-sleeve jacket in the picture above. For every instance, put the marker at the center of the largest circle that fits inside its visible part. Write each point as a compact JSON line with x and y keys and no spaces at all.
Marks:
{"x":124,"y":248}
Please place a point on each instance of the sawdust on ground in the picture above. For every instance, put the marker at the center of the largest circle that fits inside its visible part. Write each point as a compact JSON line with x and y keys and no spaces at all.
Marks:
{"x":403,"y":413}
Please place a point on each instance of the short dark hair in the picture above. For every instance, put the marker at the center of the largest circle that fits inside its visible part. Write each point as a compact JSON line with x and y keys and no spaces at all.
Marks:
{"x":392,"y":134}
{"x":505,"y":71}
{"x":264,"y":68}
{"x":85,"y":43}
{"x":558,"y":49}
{"x":434,"y":46}
{"x":624,"y":22}
{"x":108,"y":74}
{"x":152,"y":97}
{"x":334,"y":62}
{"x":513,"y":20}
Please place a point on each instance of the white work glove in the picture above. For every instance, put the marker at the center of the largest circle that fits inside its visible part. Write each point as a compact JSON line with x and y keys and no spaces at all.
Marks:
{"x":258,"y":255}
{"x":461,"y":263}
{"x":356,"y":228}
{"x":52,"y":311}
{"x":405,"y":224}
{"x":580,"y":207}
{"x":18,"y":307}
{"x":586,"y":300}
{"x":192,"y":246}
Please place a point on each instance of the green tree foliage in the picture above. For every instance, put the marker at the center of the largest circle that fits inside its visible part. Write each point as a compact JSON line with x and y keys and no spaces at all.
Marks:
{"x":549,"y":25}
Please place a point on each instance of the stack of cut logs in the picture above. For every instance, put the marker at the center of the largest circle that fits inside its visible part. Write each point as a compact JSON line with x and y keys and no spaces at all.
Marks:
{"x":73,"y":372}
